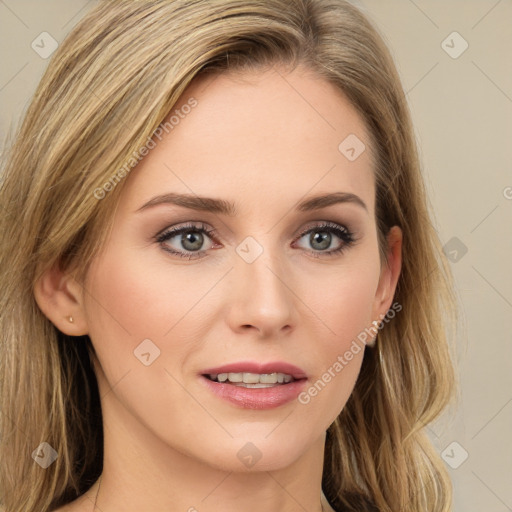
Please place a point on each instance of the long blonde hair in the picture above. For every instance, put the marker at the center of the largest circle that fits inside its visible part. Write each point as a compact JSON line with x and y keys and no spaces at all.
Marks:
{"x":107,"y":88}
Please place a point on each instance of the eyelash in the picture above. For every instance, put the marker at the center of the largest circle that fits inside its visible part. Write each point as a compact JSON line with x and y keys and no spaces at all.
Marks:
{"x":330,"y":227}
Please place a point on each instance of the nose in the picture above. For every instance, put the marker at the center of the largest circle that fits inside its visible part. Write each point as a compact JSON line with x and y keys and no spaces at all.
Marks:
{"x":261,"y":297}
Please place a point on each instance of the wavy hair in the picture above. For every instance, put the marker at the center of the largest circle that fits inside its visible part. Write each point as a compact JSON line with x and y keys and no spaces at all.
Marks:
{"x":107,"y":88}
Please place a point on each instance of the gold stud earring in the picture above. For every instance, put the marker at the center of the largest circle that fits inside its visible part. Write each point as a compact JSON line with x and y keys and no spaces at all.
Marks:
{"x":70,"y":318}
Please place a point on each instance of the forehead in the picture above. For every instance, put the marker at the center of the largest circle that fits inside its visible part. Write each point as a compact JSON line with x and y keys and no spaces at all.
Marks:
{"x":263,"y":136}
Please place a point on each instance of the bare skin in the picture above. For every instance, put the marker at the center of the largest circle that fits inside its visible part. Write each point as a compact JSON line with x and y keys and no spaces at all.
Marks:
{"x":263,"y":141}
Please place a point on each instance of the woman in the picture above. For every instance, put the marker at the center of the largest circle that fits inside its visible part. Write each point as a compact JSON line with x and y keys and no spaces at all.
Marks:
{"x":274,"y":338}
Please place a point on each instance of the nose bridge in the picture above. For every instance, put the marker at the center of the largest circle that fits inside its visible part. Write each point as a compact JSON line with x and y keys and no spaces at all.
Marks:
{"x":263,"y":297}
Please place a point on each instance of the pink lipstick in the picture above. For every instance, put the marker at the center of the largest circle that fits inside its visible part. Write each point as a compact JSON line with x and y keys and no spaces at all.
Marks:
{"x":252,"y":385}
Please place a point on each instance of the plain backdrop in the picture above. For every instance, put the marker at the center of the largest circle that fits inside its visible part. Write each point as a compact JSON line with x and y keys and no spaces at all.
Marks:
{"x":454,"y":58}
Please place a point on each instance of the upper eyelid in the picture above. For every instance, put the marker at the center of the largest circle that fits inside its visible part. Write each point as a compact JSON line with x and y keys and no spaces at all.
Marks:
{"x":325,"y":224}
{"x":199,"y":225}
{"x":186,"y":226}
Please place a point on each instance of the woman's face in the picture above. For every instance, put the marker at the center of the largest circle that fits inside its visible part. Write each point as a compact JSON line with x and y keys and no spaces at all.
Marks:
{"x":254,"y":283}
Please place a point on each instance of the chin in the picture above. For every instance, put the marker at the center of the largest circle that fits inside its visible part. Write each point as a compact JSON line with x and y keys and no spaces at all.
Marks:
{"x":259,"y":451}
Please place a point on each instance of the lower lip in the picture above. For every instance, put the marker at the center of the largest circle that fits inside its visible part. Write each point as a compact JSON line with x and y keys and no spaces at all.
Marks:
{"x":256,"y":398}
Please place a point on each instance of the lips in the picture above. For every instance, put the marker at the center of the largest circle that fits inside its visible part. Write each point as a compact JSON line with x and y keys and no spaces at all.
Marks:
{"x":255,"y":396}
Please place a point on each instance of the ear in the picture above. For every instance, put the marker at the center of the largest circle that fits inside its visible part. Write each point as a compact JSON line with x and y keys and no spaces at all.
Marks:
{"x":389,"y":275}
{"x":60,"y":298}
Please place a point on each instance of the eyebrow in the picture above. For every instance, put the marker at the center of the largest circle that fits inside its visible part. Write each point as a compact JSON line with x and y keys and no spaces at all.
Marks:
{"x":221,"y":206}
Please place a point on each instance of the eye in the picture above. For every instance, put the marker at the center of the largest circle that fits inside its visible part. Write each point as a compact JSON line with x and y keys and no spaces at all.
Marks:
{"x":186,"y":241}
{"x":322,"y":237}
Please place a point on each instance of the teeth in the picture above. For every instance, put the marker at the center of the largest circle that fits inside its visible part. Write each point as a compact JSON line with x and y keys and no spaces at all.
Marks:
{"x":269,"y":378}
{"x":255,"y":379}
{"x":248,"y":378}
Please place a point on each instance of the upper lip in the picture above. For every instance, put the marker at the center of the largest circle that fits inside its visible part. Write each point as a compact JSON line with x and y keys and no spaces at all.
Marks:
{"x":255,"y":367}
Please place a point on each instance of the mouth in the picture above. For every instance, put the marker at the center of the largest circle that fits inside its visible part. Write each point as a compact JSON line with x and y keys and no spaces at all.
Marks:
{"x":250,"y":385}
{"x":252,"y":380}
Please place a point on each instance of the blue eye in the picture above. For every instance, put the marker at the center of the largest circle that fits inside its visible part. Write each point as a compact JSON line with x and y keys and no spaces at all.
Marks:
{"x":192,"y":241}
{"x":188,"y":241}
{"x":322,"y":236}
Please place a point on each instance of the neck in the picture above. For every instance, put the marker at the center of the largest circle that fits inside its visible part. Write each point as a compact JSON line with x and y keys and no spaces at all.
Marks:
{"x":141,"y":472}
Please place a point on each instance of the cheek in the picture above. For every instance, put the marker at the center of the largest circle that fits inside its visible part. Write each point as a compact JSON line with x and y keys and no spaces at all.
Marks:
{"x":124,"y":308}
{"x":128,"y":302}
{"x":343,"y":300}
{"x":354,"y":307}
{"x":131,"y":299}
{"x":130,"y":295}
{"x":344,"y":305}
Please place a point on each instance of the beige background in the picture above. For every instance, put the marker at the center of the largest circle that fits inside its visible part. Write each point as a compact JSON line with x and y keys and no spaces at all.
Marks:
{"x":462,"y":109}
